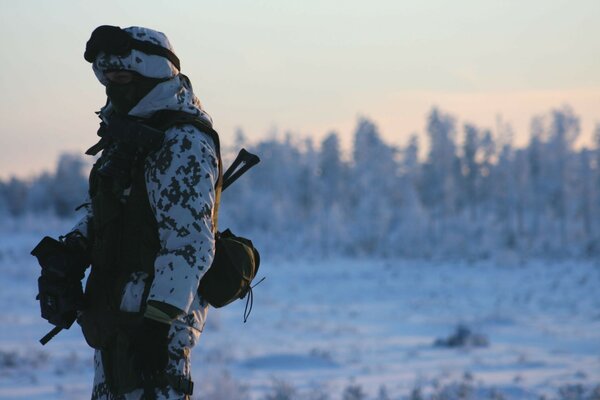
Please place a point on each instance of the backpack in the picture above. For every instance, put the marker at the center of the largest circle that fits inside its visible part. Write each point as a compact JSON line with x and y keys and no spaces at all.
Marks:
{"x":236,"y":260}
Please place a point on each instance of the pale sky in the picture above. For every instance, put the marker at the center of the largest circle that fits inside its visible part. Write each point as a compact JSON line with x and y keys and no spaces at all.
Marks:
{"x":307,"y":67}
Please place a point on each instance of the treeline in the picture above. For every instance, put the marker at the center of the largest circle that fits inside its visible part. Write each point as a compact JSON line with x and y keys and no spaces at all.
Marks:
{"x":473,"y":195}
{"x":56,"y":193}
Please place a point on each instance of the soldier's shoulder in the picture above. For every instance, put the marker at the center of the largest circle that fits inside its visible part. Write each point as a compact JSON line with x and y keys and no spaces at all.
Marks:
{"x":191,"y":138}
{"x":197,"y":131}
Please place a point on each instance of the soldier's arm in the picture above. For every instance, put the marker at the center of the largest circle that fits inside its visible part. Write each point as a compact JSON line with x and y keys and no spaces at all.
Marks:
{"x":82,"y":226}
{"x":180,"y":180}
{"x":78,"y":237}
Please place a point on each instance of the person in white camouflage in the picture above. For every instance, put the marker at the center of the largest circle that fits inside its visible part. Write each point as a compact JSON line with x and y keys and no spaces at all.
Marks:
{"x":150,"y":235}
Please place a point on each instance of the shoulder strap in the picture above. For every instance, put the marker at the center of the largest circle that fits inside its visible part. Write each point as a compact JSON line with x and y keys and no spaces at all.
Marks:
{"x":166,"y":119}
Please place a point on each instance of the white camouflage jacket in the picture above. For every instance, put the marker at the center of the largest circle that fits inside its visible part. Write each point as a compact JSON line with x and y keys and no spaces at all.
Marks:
{"x":180,"y":180}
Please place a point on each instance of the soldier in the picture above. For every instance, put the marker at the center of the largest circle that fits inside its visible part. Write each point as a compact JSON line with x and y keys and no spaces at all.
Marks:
{"x":149,"y":228}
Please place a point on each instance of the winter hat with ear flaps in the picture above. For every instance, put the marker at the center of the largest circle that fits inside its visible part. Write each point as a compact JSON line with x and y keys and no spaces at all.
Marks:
{"x":142,"y":50}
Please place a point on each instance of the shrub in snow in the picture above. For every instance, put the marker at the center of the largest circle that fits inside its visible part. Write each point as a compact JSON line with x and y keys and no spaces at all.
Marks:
{"x":224,"y":387}
{"x":463,"y":337}
{"x":354,"y":392}
{"x":578,"y":392}
{"x":383,"y":394}
{"x":416,"y":394}
{"x":318,"y":392}
{"x":281,"y":390}
{"x":8,"y":359}
{"x":19,"y":360}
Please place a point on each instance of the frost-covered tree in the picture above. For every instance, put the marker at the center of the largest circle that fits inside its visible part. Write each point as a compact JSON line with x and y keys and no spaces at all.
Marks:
{"x":372,"y":187}
{"x":551,"y":148}
{"x":583,"y":201}
{"x":410,"y":217}
{"x":410,"y":161}
{"x":331,"y":190}
{"x":563,"y":131}
{"x":471,"y":169}
{"x":15,"y":196}
{"x":69,"y":187}
{"x":40,"y":197}
{"x":439,"y":175}
{"x":439,"y":183}
{"x":536,"y":190}
{"x":488,"y":155}
{"x":470,"y":197}
{"x":3,"y":201}
{"x":331,"y":170}
{"x":307,"y":186}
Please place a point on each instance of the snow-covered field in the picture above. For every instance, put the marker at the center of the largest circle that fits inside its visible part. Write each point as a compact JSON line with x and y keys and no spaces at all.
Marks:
{"x":337,"y":326}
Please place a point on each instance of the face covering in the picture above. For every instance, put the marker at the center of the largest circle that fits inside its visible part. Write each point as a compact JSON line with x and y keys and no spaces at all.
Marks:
{"x":124,"y":96}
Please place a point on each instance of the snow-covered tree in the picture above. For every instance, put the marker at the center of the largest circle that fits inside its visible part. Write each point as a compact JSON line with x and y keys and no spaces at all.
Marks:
{"x":15,"y":196}
{"x":471,"y":169}
{"x":69,"y":187}
{"x":470,"y":197}
{"x":331,"y":170}
{"x":372,"y":187}
{"x":40,"y":197}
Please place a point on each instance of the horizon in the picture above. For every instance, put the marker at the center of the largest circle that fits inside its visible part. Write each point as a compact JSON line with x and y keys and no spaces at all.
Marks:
{"x":326,"y":66}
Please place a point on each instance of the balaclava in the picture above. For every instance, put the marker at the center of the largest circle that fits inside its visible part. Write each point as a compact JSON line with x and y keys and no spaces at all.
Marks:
{"x":124,"y":96}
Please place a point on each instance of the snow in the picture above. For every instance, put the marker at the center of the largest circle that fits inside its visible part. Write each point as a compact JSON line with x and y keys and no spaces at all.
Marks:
{"x":332,"y":323}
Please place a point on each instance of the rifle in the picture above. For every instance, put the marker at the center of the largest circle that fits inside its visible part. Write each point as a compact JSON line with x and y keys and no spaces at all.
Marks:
{"x":244,"y":158}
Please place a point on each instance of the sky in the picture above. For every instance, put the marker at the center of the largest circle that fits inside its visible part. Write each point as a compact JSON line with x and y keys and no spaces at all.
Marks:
{"x":308,"y":67}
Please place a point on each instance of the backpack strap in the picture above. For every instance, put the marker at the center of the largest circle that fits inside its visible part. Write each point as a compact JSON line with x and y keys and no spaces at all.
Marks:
{"x":166,"y":119}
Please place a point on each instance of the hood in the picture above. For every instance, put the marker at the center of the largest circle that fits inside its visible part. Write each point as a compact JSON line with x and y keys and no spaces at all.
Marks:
{"x":175,"y":93}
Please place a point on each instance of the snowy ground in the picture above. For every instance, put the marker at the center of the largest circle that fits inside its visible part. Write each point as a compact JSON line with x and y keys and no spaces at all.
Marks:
{"x":326,"y":325}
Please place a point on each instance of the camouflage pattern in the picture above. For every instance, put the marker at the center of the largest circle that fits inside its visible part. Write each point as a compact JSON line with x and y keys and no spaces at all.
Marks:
{"x":152,"y":66}
{"x":180,"y":179}
{"x":183,"y":336}
{"x":175,"y":94}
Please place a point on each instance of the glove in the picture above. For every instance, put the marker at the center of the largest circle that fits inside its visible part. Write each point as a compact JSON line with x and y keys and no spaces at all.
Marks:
{"x":151,"y":347}
{"x":63,"y":267}
{"x":78,"y":250}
